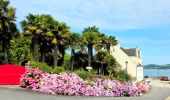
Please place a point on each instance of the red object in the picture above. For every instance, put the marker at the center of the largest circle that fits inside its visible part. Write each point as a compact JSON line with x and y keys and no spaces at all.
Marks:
{"x":164,"y":78}
{"x":11,"y":74}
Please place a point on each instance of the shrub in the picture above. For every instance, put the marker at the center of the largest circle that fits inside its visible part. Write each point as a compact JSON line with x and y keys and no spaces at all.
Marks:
{"x":84,"y":74}
{"x":58,"y":69}
{"x":42,"y":66}
{"x":123,"y":76}
{"x":45,"y":68}
{"x":19,"y":50}
{"x":91,"y":75}
{"x":71,"y":84}
{"x":144,"y":87}
{"x":31,"y":78}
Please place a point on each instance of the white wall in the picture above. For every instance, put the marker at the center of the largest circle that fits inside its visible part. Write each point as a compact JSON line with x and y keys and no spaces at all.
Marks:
{"x":121,"y":57}
{"x":136,"y":60}
{"x":140,"y":75}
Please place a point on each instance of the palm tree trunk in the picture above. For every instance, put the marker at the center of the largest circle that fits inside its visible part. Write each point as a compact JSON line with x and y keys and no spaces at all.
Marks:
{"x":89,"y":55}
{"x":62,"y":51}
{"x":36,"y":46}
{"x":43,"y":56}
{"x":55,"y":55}
{"x":5,"y":50}
{"x":72,"y":59}
{"x":102,"y":69}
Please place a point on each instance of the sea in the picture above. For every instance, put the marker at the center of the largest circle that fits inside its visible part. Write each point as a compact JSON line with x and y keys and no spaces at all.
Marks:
{"x":157,"y":72}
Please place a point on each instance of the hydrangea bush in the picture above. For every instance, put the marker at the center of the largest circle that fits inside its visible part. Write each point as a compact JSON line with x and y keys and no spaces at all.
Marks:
{"x":31,"y":78}
{"x":71,"y":84}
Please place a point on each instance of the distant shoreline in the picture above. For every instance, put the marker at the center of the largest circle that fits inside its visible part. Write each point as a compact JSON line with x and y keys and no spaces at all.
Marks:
{"x":156,"y":68}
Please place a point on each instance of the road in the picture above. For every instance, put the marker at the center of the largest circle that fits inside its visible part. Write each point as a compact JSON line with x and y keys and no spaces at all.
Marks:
{"x":16,"y":93}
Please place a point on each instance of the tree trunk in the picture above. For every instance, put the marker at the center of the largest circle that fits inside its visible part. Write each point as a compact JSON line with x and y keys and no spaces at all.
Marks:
{"x":55,"y":55}
{"x":43,"y":51}
{"x":5,"y":50}
{"x":90,"y":55}
{"x":101,"y":69}
{"x":36,"y":46}
{"x":43,"y":54}
{"x":72,"y":59}
{"x":62,"y":51}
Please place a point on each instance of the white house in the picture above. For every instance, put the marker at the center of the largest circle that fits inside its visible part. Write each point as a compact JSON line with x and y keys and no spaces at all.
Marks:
{"x":130,"y":59}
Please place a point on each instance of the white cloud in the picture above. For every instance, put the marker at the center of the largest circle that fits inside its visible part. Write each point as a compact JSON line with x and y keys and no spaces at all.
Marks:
{"x":107,"y":14}
{"x":143,"y":41}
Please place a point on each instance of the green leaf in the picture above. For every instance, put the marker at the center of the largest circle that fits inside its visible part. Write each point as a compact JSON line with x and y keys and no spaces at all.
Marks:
{"x":32,"y":28}
{"x":54,"y":41}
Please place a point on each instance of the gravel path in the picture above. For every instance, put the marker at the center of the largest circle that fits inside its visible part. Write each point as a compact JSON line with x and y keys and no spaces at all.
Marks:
{"x":160,"y":91}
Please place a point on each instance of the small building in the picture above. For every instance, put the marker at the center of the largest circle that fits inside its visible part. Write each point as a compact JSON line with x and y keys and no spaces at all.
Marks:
{"x":129,"y":59}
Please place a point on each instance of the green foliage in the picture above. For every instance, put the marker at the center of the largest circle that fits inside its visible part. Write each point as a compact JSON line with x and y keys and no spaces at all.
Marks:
{"x":90,"y":75}
{"x":80,"y":60}
{"x":42,"y":66}
{"x":19,"y":50}
{"x":74,"y":42}
{"x":8,"y":27}
{"x":91,"y":36}
{"x":122,"y":75}
{"x":119,"y":75}
{"x":58,"y":69}
{"x":107,"y":63}
{"x":45,"y":68}
{"x":84,"y":74}
{"x":102,"y":57}
{"x":66,"y":61}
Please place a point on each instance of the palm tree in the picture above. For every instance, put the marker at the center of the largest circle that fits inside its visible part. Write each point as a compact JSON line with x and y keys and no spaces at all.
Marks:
{"x":111,"y":42}
{"x":91,"y":38}
{"x":101,"y":57}
{"x":64,"y":40}
{"x":105,"y":60}
{"x":59,"y":36}
{"x":32,"y":26}
{"x":106,"y":42}
{"x":75,"y":39}
{"x":46,"y":25}
{"x":102,"y":42}
{"x":37,"y":26}
{"x":7,"y":26}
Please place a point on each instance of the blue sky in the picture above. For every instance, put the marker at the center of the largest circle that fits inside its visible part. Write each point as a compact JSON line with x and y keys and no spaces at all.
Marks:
{"x":135,"y":23}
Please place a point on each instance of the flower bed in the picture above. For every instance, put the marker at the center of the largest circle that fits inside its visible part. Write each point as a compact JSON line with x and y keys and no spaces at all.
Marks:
{"x":71,"y":84}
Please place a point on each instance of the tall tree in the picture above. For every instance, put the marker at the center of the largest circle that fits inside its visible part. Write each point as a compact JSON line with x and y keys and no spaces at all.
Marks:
{"x":46,"y":25}
{"x":59,"y":34}
{"x":90,"y":36}
{"x":101,"y":57}
{"x":31,"y":26}
{"x":64,"y":40}
{"x":106,"y":42}
{"x":111,"y":42}
{"x":107,"y":62}
{"x":36,"y":26}
{"x":7,"y":26}
{"x":75,"y":39}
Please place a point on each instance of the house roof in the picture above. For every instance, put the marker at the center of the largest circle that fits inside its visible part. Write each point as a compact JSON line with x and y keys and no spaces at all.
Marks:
{"x":130,"y":51}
